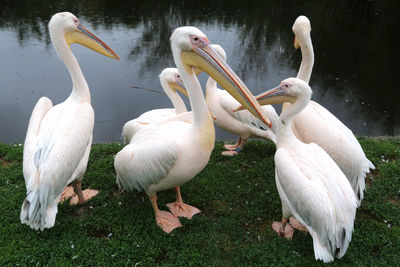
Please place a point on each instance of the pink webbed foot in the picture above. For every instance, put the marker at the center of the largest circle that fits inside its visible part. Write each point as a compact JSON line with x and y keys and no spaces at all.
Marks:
{"x":230,"y":147}
{"x":67,"y":193}
{"x":283,"y":229}
{"x":296,"y":225}
{"x":167,"y":221}
{"x":87,"y":194}
{"x":182,"y":210}
{"x":230,"y":153}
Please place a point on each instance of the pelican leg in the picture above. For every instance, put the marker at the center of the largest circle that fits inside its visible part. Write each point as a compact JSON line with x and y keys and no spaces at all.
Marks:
{"x":283,"y":228}
{"x":242,"y":144}
{"x":180,"y":209}
{"x":296,"y":224}
{"x":164,"y":219}
{"x":237,"y":150}
{"x":233,"y":147}
{"x":82,"y":196}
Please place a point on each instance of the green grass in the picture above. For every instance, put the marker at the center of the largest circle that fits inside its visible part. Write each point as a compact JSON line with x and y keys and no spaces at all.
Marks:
{"x":238,"y":200}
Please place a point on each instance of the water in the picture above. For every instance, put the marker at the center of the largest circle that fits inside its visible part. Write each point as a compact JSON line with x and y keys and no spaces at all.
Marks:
{"x":354,"y":76}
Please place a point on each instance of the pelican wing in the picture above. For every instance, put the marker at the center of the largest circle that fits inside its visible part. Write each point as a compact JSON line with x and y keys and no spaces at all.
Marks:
{"x":305,"y":192}
{"x":41,"y":108}
{"x":320,"y":195}
{"x":315,"y":124}
{"x":156,"y":115}
{"x":60,"y":146}
{"x":146,"y":160}
{"x":133,"y":126}
{"x":228,"y":103}
{"x":186,"y":117}
{"x":61,"y":142}
{"x":325,"y":117}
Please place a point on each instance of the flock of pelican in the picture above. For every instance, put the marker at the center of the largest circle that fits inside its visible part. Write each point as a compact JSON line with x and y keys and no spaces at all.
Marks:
{"x":320,"y":167}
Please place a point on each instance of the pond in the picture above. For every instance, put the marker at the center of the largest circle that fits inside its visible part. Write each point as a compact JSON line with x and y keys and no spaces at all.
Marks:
{"x":355,"y":42}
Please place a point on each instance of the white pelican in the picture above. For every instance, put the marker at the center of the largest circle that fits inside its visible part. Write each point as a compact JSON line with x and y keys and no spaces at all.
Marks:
{"x":58,"y":139}
{"x":170,"y":154}
{"x":311,"y":186}
{"x":221,"y":104}
{"x":171,"y":82}
{"x":315,"y":124}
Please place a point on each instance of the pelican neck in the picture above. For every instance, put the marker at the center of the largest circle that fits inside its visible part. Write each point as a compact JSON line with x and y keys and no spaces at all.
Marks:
{"x":285,"y":133}
{"x":173,"y":95}
{"x":307,"y":62}
{"x":199,"y":106}
{"x":80,"y":90}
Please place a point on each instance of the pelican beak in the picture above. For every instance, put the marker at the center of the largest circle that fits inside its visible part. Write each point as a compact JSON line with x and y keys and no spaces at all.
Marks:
{"x":180,"y":87}
{"x":276,"y":95}
{"x":84,"y":37}
{"x":205,"y":58}
{"x":296,"y":42}
{"x":197,"y":71}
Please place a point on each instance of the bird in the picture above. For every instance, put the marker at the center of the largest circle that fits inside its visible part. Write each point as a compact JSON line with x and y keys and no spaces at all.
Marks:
{"x":315,"y":124}
{"x":169,"y":154}
{"x":59,"y":137}
{"x":221,"y":104}
{"x":329,"y":132}
{"x":172,"y":83}
{"x":311,"y":186}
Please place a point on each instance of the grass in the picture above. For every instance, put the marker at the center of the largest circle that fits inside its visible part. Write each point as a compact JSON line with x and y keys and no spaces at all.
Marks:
{"x":238,"y":199}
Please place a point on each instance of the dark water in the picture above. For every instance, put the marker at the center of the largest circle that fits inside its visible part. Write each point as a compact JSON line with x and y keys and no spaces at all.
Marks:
{"x":355,"y":73}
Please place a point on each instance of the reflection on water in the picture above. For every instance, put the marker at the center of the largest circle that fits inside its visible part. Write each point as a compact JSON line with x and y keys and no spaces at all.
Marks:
{"x":355,"y":42}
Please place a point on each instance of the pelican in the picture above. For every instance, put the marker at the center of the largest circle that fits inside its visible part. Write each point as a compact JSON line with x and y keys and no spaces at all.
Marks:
{"x":310,"y":184}
{"x":221,"y":104}
{"x":315,"y":124}
{"x":172,"y":83}
{"x":58,"y":139}
{"x":170,"y":154}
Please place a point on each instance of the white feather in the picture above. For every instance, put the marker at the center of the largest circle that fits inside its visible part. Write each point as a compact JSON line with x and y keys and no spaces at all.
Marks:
{"x":148,"y":158}
{"x":311,"y":186}
{"x":315,"y":124}
{"x":64,"y":136}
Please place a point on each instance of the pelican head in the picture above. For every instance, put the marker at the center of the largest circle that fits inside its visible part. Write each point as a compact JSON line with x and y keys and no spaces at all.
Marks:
{"x":66,"y":25}
{"x":174,"y":80}
{"x":192,"y":50}
{"x":289,"y":90}
{"x":301,"y":28}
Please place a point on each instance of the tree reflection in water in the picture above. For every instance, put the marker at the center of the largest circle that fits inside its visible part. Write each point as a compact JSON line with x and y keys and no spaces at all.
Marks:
{"x":355,"y":43}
